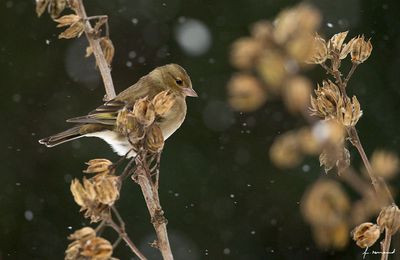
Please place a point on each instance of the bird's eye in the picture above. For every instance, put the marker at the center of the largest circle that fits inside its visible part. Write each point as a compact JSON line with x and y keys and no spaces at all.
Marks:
{"x":179,"y":82}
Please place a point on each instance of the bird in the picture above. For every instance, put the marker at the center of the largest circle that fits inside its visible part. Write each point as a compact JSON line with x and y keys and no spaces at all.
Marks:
{"x":101,"y":122}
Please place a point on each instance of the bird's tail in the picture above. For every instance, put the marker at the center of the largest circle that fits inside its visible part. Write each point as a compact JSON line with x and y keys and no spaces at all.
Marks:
{"x":68,"y":135}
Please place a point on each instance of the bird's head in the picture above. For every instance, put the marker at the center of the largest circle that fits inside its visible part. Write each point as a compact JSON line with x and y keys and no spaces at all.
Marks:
{"x":177,"y":80}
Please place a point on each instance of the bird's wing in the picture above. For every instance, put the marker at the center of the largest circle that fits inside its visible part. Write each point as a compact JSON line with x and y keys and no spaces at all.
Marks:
{"x":105,"y":114}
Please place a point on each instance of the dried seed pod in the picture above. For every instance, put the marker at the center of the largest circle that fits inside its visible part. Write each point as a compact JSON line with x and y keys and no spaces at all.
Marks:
{"x":245,"y":52}
{"x":335,"y":156}
{"x":325,"y":204}
{"x":154,"y":139}
{"x":41,"y":6}
{"x":285,"y":151}
{"x":319,"y":51}
{"x":384,"y":163}
{"x":300,"y":48}
{"x":331,"y":236}
{"x":327,"y":100}
{"x":97,"y":248}
{"x":56,"y":7}
{"x":107,"y":189}
{"x":163,"y":102}
{"x":144,"y":112}
{"x":360,"y":50}
{"x":262,"y":31}
{"x":83,"y":234}
{"x":307,"y":141}
{"x":75,"y":30}
{"x":108,"y":49}
{"x":67,"y":20}
{"x":296,"y":94}
{"x":335,"y":44}
{"x":98,"y":166}
{"x":329,"y":132}
{"x":273,"y":70}
{"x":246,"y":93}
{"x":350,"y":112}
{"x":389,"y":218}
{"x":366,"y":234}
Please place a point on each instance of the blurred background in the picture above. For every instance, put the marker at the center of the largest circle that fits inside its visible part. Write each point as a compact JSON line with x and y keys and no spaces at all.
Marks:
{"x":222,"y":196}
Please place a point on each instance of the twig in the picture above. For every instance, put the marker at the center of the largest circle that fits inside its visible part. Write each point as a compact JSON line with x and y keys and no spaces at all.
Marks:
{"x":150,"y":194}
{"x":355,"y":140}
{"x":98,"y":53}
{"x":353,"y":68}
{"x":386,"y":245}
{"x":121,"y":232}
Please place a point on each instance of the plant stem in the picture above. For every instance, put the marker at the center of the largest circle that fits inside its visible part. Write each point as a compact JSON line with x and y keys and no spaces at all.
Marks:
{"x":353,"y":68}
{"x":97,"y":51}
{"x":121,"y":232}
{"x":386,"y":245}
{"x":376,"y":183}
{"x":150,"y":194}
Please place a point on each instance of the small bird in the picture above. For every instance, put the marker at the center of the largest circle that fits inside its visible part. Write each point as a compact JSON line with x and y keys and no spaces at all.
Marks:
{"x":101,"y":122}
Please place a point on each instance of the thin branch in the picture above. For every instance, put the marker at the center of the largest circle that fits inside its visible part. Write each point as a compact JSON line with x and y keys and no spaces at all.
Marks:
{"x":353,"y":68}
{"x":98,"y":53}
{"x":386,"y":245}
{"x":150,"y":194}
{"x":376,"y":183}
{"x":121,"y":232}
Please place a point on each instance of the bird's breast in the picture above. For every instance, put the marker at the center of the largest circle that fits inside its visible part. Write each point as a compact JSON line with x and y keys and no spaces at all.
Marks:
{"x":174,"y":119}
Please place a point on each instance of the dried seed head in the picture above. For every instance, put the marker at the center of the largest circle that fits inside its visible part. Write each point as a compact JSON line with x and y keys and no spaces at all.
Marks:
{"x":329,"y":132}
{"x":296,"y":94}
{"x":154,"y":139}
{"x":107,"y":189}
{"x":319,"y":52}
{"x":108,"y":49}
{"x":366,"y":234}
{"x":144,"y":112}
{"x":245,"y":93}
{"x":96,"y":195}
{"x":262,"y":31}
{"x":293,"y":22}
{"x":335,"y":44}
{"x":41,"y":6}
{"x":67,"y":20}
{"x":87,"y":245}
{"x":389,"y":218}
{"x":97,"y":248}
{"x":75,"y":30}
{"x":245,"y":52}
{"x":360,"y":50}
{"x":307,"y":141}
{"x":336,"y":156}
{"x":285,"y":151}
{"x":163,"y":102}
{"x":325,"y":204}
{"x":272,"y":68}
{"x":83,"y":234}
{"x":384,"y":163}
{"x":98,"y":166}
{"x":56,"y":7}
{"x":335,"y":236}
{"x":300,"y":48}
{"x":350,"y":112}
{"x":327,"y":100}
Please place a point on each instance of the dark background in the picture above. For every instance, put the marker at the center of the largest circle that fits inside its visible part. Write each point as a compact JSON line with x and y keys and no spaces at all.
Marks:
{"x":222,"y":196}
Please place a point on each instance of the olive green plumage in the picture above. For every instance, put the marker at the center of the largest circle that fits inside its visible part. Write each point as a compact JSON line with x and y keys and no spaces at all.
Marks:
{"x":101,"y":122}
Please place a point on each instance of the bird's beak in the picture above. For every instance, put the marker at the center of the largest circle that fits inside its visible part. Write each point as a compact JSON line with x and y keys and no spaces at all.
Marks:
{"x":189,"y":92}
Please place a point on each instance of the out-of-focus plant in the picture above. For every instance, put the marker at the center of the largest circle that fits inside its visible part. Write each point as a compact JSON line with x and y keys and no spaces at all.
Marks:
{"x":98,"y":193}
{"x":270,"y":62}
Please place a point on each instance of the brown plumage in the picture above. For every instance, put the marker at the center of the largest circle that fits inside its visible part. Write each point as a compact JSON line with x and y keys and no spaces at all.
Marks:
{"x":101,"y":122}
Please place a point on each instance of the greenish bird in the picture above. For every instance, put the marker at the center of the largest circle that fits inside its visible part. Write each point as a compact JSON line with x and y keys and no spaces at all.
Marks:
{"x":101,"y":122}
